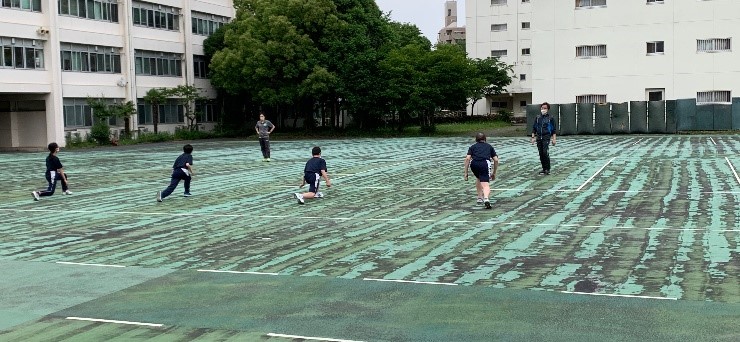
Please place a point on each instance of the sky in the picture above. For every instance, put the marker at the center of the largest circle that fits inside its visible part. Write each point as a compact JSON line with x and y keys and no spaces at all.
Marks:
{"x":428,"y":15}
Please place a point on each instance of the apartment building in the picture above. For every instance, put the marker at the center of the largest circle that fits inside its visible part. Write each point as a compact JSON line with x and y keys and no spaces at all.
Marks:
{"x":56,"y":53}
{"x":452,"y":32}
{"x":613,"y":50}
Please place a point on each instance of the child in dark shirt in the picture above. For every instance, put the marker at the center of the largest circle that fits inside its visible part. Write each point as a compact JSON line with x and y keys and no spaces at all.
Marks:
{"x":182,"y":169}
{"x":54,"y":173}
{"x":313,"y":172}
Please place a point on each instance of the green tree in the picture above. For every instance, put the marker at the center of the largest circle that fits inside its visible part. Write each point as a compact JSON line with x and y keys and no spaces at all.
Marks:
{"x":156,"y":97}
{"x":491,"y":78}
{"x":187,"y":96}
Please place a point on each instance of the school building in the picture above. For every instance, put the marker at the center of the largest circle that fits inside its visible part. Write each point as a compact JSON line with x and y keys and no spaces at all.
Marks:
{"x":597,"y":51}
{"x":56,"y":53}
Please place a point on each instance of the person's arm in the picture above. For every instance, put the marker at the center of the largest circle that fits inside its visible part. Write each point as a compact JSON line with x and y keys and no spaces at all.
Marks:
{"x":554,"y":132}
{"x":553,"y":139}
{"x":272,"y":128}
{"x":64,"y":176}
{"x":326,"y":178}
{"x":303,"y":182}
{"x":257,"y":128}
{"x":534,"y":129}
{"x":190,"y":169}
{"x":467,"y":166}
{"x":495,"y":167}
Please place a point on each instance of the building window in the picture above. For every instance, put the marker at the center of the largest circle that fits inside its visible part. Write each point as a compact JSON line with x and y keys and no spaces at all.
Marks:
{"x":590,"y":3}
{"x":522,"y":103}
{"x":499,"y":27}
{"x":169,"y":113}
{"x":526,"y":25}
{"x":205,"y":24}
{"x":90,"y":58}
{"x":155,"y":63}
{"x":526,"y":52}
{"x":499,"y":53}
{"x":19,"y":53}
{"x":587,"y":51}
{"x":449,"y":12}
{"x":525,"y":1}
{"x":591,"y":98}
{"x":499,"y":104}
{"x":713,"y":45}
{"x":650,"y":2}
{"x":156,"y":16}
{"x":103,"y":10}
{"x":25,"y":5}
{"x":498,"y":2}
{"x":206,"y":111}
{"x":77,"y":113}
{"x":200,"y":65}
{"x":714,"y":96}
{"x":522,"y":77}
{"x":655,"y":48}
{"x":655,"y":94}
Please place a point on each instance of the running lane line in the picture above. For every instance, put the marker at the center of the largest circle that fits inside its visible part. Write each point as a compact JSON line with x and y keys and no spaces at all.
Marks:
{"x":596,"y":174}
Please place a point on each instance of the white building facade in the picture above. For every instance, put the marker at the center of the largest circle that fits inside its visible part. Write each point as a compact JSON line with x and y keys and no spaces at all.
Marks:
{"x":615,"y":50}
{"x":56,"y":53}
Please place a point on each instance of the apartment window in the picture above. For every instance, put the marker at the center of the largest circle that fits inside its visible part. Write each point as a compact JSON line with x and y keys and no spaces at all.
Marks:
{"x":205,"y":24}
{"x":19,"y":53}
{"x":206,"y":111}
{"x":714,"y":96}
{"x":713,"y":45}
{"x":650,"y":2}
{"x":522,"y":103}
{"x":591,"y":98}
{"x":156,"y":63}
{"x":102,"y":10}
{"x":590,"y":3}
{"x":499,"y":104}
{"x":90,"y":58}
{"x":170,"y":112}
{"x":522,"y":77}
{"x":449,"y":12}
{"x":525,"y":1}
{"x":200,"y":65}
{"x":587,"y":51}
{"x":655,"y":48}
{"x":25,"y":5}
{"x":498,"y":2}
{"x":655,"y":94}
{"x":77,"y":113}
{"x":526,"y":25}
{"x":499,"y":27}
{"x":526,"y":52}
{"x":156,"y":16}
{"x":499,"y":53}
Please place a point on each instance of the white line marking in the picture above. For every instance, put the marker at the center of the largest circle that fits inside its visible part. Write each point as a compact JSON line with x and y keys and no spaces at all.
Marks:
{"x":637,"y":142}
{"x":733,"y":169}
{"x":237,"y":272}
{"x":409,"y":281}
{"x":84,"y":264}
{"x":310,"y":338}
{"x":618,"y":295}
{"x":114,"y":321}
{"x":596,"y":174}
{"x":713,"y":142}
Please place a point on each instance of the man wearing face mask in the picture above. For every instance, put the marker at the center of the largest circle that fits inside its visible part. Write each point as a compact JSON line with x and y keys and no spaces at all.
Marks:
{"x":544,"y":132}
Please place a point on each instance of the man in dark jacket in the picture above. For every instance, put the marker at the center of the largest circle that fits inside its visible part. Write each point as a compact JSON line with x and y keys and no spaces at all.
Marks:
{"x":544,"y":132}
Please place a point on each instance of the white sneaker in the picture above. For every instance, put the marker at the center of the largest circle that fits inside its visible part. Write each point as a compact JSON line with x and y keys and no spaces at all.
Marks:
{"x":67,"y":192}
{"x":319,"y":195}
{"x":159,"y":196}
{"x":479,"y":201}
{"x":35,"y":195}
{"x":299,"y":197}
{"x":487,"y":203}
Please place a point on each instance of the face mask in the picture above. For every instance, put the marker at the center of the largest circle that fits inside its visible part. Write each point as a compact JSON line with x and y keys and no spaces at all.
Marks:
{"x":543,"y":111}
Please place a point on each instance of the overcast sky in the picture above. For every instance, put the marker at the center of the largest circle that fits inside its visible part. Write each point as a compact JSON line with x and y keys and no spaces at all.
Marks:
{"x":428,"y":15}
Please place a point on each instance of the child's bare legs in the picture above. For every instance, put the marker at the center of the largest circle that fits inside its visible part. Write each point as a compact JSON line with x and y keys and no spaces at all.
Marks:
{"x":485,"y":188}
{"x":309,"y":195}
{"x":479,"y":188}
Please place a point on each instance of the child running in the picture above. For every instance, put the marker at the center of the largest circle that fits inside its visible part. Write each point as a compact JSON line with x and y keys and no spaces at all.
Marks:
{"x":312,"y":173}
{"x":479,"y":158}
{"x":182,"y":169}
{"x":54,"y":173}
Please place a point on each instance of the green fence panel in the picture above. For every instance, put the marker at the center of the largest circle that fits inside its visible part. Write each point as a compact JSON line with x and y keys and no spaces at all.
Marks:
{"x":603,"y":120}
{"x":685,"y":114}
{"x":656,"y":117}
{"x":532,"y":111}
{"x":670,"y":116}
{"x":736,"y":113}
{"x":568,"y":119}
{"x":620,"y":118}
{"x":638,"y":117}
{"x":704,"y":118}
{"x":722,"y":117}
{"x":585,"y":117}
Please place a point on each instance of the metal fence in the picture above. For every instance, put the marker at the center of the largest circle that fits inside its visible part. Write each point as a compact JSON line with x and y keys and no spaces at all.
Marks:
{"x":638,"y":117}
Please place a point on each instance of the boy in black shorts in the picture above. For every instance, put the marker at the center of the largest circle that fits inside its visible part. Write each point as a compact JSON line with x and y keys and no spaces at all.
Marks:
{"x":54,"y":173}
{"x":313,"y":172}
{"x":479,"y":158}
{"x":182,"y":169}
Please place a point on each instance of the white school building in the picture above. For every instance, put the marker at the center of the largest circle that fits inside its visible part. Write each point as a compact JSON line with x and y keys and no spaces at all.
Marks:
{"x":580,"y":51}
{"x":56,"y":53}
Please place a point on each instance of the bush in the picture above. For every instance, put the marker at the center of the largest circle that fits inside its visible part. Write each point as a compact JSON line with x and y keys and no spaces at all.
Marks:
{"x":504,"y":115}
{"x":100,"y":133}
{"x":146,"y":137}
{"x":186,"y":134}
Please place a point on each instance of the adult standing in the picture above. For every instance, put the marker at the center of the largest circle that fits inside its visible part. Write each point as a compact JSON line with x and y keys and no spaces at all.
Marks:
{"x":264,"y":128}
{"x":544,"y":131}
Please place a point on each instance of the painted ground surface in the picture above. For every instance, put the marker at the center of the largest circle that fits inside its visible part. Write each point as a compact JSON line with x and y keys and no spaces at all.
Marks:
{"x":654,"y":221}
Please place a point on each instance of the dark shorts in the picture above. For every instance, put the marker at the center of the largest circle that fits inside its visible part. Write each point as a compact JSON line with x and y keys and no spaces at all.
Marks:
{"x":312,"y":179}
{"x":481,"y":170}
